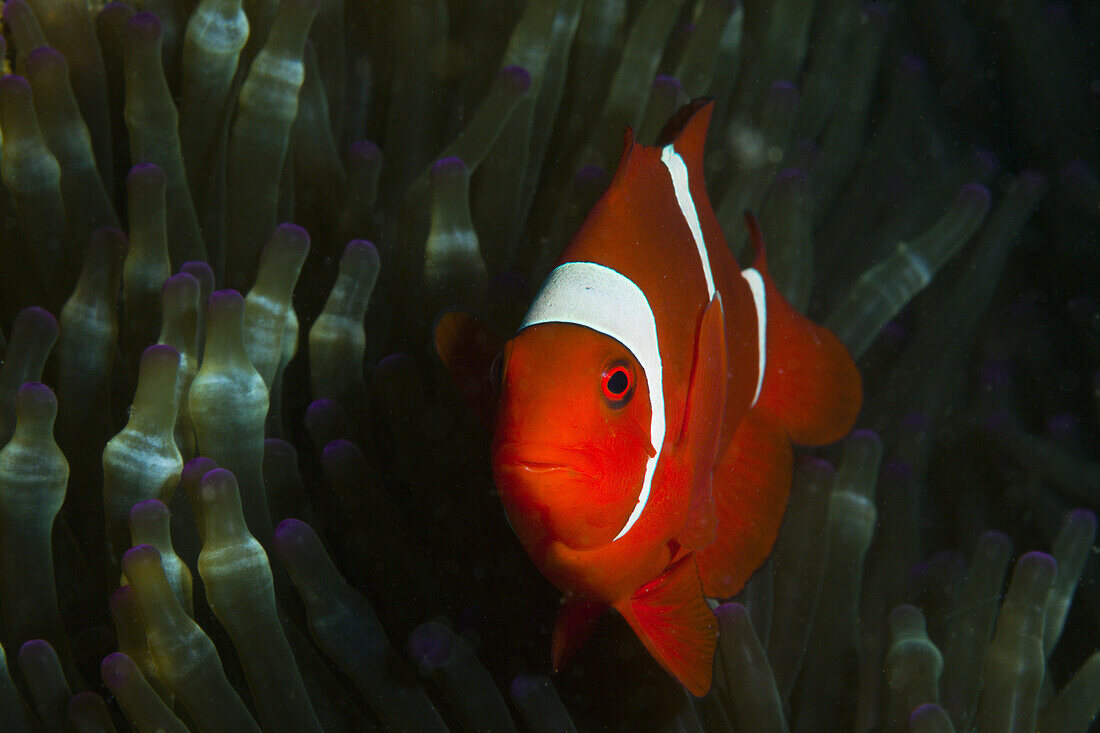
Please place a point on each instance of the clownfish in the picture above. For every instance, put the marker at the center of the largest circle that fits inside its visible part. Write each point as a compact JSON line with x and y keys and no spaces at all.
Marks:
{"x":646,"y":407}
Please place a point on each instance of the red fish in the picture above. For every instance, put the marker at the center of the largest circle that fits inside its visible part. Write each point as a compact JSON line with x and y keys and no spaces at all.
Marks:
{"x":646,"y":408}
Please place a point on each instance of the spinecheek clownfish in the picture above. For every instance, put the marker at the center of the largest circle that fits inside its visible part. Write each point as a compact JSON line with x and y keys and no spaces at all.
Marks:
{"x":646,"y":408}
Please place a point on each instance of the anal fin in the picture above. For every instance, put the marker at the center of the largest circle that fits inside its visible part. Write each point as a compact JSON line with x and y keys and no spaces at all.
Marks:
{"x":574,"y":625}
{"x":752,"y":482}
{"x":676,"y":625}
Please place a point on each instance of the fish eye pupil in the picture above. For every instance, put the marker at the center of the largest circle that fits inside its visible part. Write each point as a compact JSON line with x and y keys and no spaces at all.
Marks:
{"x":617,"y":382}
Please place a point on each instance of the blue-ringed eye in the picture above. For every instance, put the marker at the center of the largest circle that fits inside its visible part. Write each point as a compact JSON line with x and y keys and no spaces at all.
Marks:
{"x":617,"y":384}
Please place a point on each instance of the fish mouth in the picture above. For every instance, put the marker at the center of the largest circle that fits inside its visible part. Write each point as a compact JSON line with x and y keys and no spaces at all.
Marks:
{"x":539,"y":458}
{"x":537,"y":467}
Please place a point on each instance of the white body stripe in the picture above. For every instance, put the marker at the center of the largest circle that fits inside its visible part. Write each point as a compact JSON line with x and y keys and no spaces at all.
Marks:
{"x":756,"y":285}
{"x":597,"y":297}
{"x":679,"y":172}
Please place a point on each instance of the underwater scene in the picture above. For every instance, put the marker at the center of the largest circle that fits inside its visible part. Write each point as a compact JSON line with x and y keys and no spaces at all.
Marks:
{"x":550,"y":365}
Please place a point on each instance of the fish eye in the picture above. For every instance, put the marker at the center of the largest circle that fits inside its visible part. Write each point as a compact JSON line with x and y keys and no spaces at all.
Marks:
{"x":617,"y":384}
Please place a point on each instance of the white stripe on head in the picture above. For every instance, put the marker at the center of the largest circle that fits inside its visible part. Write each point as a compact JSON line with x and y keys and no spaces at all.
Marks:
{"x":679,"y":172}
{"x":607,"y":302}
{"x":756,"y":285}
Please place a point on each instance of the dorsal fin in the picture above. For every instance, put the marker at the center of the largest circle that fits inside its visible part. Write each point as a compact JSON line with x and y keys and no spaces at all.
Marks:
{"x":638,"y":164}
{"x":810,"y":382}
{"x":688,"y":127}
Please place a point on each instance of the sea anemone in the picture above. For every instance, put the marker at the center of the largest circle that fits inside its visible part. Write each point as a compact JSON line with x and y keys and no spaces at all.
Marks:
{"x":238,"y":491}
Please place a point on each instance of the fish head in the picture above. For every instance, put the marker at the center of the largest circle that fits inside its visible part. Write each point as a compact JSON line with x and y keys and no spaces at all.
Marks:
{"x":572,"y":438}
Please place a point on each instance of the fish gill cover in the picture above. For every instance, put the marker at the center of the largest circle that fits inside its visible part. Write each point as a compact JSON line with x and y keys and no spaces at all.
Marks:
{"x":272,"y":510}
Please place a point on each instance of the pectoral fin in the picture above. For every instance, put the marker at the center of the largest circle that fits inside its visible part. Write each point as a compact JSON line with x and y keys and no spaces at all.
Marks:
{"x":467,"y":346}
{"x":675,"y":625}
{"x":697,"y":446}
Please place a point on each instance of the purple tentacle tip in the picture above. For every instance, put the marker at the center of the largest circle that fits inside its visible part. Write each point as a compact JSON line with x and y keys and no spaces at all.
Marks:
{"x":517,"y":77}
{"x":1083,"y":520}
{"x":591,"y":174}
{"x":396,"y":360}
{"x":449,"y":166}
{"x":227,"y":298}
{"x":199,"y":269}
{"x":115,"y":669}
{"x":525,"y":684}
{"x":12,"y":84}
{"x":510,"y":285}
{"x":813,"y":463}
{"x":1036,"y":565}
{"x":914,"y":65}
{"x":916,"y":421}
{"x":365,"y":149}
{"x":360,"y":252}
{"x":43,"y":58}
{"x":148,"y":509}
{"x":994,"y":542}
{"x":431,"y":644}
{"x":292,"y":533}
{"x":34,"y":654}
{"x":793,"y":175}
{"x":784,"y":91}
{"x":122,"y":595}
{"x":321,"y":409}
{"x":895,"y":331}
{"x":987,"y":162}
{"x":995,"y":374}
{"x":337,"y":449}
{"x":138,"y":554}
{"x":974,"y":194}
{"x":180,"y":284}
{"x":876,"y":12}
{"x":145,"y":173}
{"x":927,"y":712}
{"x":33,"y":393}
{"x":666,"y":81}
{"x":160,"y":353}
{"x":1034,"y":181}
{"x":730,"y":612}
{"x":289,"y":229}
{"x":146,"y":25}
{"x":897,"y":470}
